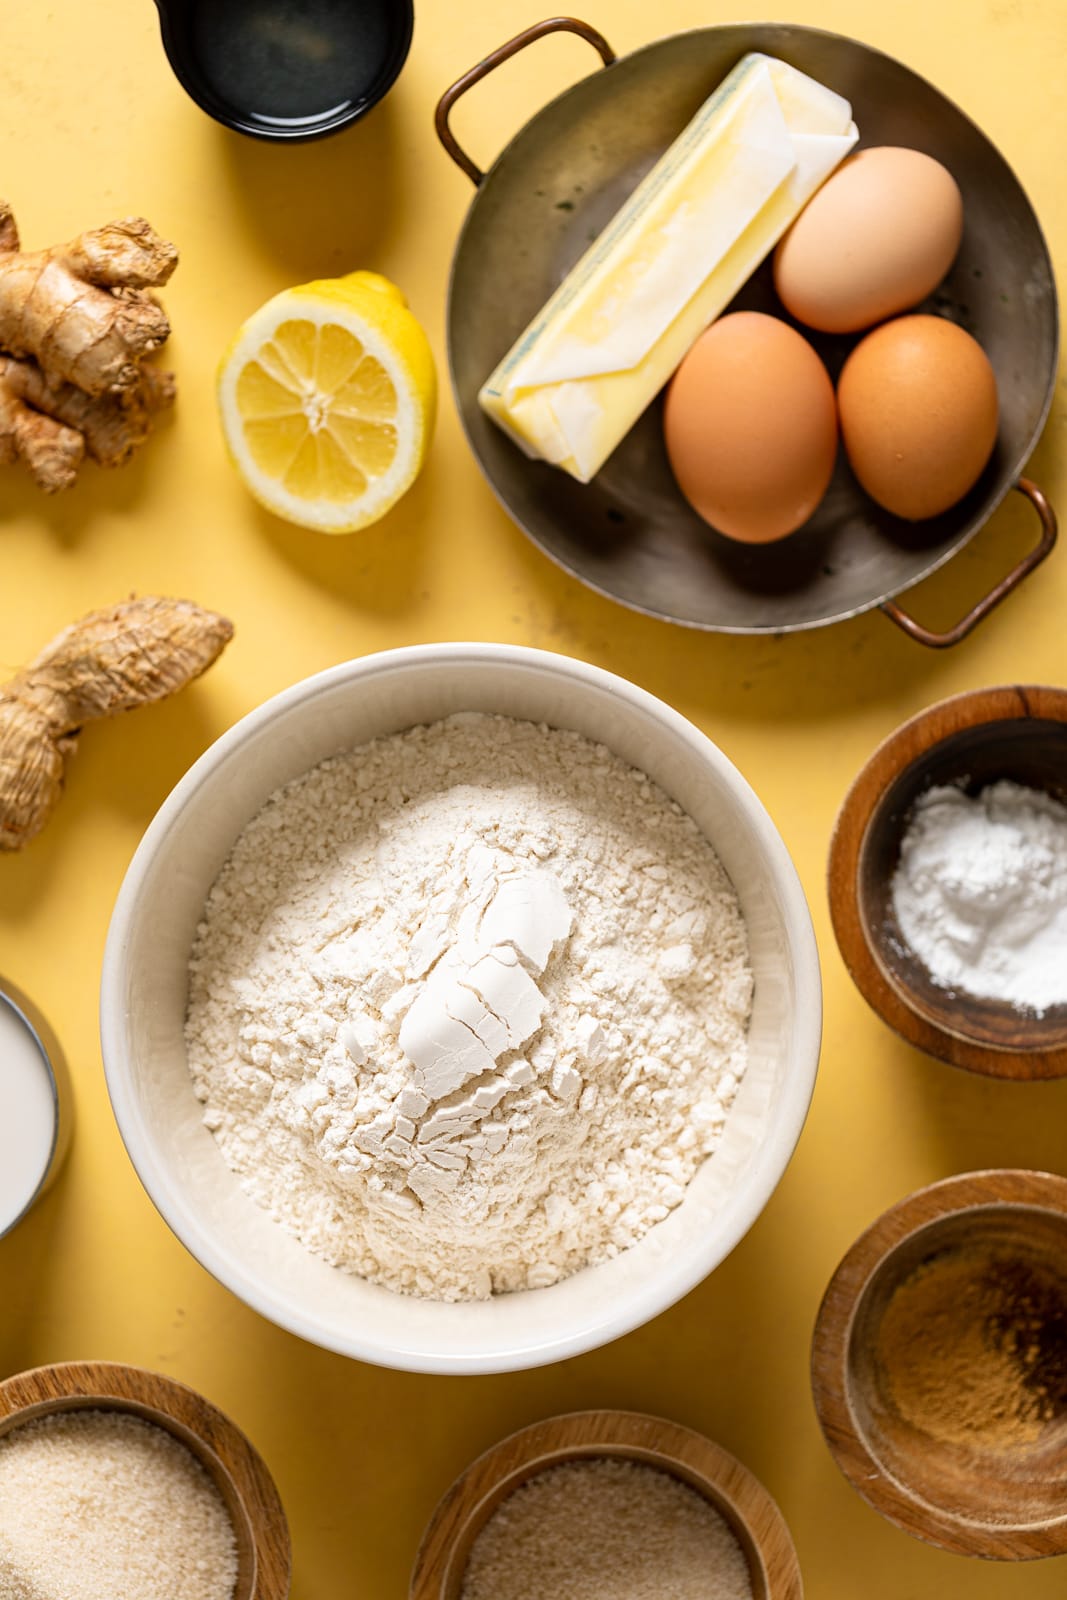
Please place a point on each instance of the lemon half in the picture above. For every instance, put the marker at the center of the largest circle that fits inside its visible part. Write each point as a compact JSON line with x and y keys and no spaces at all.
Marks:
{"x":327,"y":396}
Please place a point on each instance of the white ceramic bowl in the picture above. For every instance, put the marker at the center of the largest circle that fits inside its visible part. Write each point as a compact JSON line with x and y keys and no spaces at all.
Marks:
{"x":144,"y":997}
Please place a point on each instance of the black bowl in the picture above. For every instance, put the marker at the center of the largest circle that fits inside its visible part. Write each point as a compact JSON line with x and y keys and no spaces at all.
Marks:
{"x":286,"y":69}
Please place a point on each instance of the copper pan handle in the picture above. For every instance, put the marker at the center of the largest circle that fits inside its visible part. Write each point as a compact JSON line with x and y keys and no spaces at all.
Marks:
{"x":1000,"y":591}
{"x":493,"y":60}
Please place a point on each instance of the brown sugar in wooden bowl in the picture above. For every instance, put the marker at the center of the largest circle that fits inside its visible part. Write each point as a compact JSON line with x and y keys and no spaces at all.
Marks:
{"x":939,"y":1364}
{"x":232,"y":1463}
{"x":1018,"y":733}
{"x":586,"y":1436}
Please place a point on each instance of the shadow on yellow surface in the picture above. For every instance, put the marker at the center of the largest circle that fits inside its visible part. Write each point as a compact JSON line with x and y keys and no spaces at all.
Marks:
{"x":971,"y":1122}
{"x":808,"y":676}
{"x":70,"y":515}
{"x":127,"y":765}
{"x":290,"y":199}
{"x":377,"y":570}
{"x":26,"y":1266}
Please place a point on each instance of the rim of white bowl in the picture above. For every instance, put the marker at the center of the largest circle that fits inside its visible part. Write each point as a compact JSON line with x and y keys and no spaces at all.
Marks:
{"x":673,"y":1281}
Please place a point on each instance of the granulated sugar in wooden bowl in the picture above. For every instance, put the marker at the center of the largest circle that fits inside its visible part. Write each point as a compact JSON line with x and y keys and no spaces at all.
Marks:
{"x":119,"y":1482}
{"x":939,"y":1364}
{"x":568,"y":1506}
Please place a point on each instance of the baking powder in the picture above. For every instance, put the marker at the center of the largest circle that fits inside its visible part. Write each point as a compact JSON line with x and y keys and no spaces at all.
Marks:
{"x":468,"y":1006}
{"x":980,"y":892}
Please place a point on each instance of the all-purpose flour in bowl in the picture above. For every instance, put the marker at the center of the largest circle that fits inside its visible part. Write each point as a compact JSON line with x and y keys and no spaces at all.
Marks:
{"x":468,"y":1006}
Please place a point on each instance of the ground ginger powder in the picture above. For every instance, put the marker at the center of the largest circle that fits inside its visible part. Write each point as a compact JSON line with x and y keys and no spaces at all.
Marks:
{"x":973,"y":1350}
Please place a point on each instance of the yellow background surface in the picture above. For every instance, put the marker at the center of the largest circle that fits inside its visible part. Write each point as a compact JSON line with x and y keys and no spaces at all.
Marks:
{"x":93,"y":125}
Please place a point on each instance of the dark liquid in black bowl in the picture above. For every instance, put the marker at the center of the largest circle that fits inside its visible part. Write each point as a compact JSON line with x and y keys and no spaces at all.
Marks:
{"x":290,"y":61}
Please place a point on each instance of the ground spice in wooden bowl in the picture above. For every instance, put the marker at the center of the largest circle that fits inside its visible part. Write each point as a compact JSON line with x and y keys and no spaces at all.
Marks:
{"x":939,"y":1364}
{"x":974,"y":1349}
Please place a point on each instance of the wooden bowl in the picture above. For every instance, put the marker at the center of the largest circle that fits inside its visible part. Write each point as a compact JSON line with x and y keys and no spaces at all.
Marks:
{"x":980,"y":1482}
{"x":622,"y":1435}
{"x":230,"y":1460}
{"x":973,"y":739}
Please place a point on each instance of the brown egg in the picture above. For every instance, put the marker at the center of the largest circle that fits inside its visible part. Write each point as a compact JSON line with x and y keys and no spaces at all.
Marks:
{"x":918,"y":406}
{"x":877,"y":238}
{"x":751,"y":428}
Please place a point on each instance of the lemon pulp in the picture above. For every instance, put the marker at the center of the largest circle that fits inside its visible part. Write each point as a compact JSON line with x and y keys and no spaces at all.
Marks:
{"x":327,"y":398}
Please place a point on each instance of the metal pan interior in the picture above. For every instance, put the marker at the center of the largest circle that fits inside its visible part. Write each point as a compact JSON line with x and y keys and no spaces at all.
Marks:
{"x":629,"y":533}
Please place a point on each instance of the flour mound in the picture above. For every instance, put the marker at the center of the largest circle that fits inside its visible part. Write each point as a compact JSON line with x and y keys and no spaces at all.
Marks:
{"x":468,"y":1006}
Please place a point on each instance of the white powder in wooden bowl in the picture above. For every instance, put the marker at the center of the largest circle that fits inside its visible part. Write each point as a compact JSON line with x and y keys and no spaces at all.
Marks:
{"x":99,"y":1505}
{"x":980,"y":892}
{"x":606,"y":1530}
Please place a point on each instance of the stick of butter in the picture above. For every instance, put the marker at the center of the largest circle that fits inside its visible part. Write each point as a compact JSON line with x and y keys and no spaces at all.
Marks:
{"x":675,"y":254}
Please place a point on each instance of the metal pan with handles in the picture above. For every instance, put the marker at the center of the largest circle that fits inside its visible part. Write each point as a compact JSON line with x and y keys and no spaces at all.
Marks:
{"x":628,"y":533}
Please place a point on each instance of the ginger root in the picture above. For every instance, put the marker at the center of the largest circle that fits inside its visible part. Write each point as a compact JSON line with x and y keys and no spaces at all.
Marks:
{"x":110,"y":661}
{"x":76,"y":322}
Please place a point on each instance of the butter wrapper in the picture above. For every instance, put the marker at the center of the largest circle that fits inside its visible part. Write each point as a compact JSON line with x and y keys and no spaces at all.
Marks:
{"x":675,"y":254}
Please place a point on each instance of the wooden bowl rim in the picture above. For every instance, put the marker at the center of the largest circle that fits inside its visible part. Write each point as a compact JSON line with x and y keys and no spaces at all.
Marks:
{"x":46,"y":1390}
{"x":654,"y":1441}
{"x":871,"y":1253}
{"x":893,"y":756}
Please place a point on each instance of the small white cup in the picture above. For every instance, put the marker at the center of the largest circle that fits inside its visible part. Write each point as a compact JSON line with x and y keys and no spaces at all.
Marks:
{"x":34,"y":1114}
